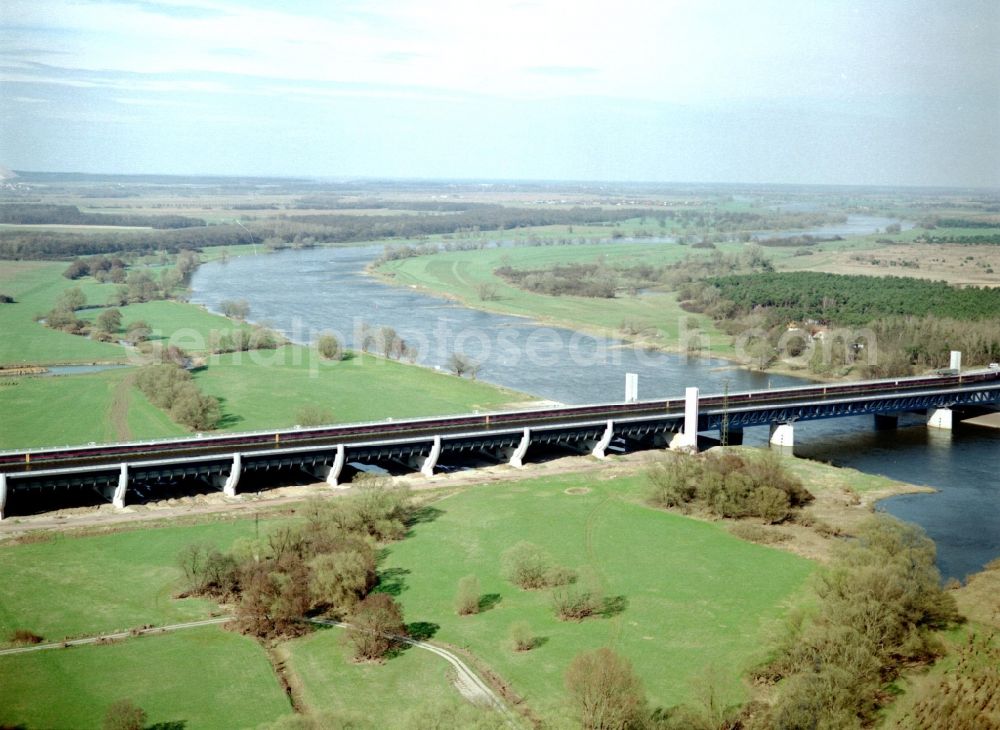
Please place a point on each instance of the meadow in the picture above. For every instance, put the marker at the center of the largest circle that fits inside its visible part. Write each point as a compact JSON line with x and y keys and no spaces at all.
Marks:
{"x":198,"y":678}
{"x":686,"y":598}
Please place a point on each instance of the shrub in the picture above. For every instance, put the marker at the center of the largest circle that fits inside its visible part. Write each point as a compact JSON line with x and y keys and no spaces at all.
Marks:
{"x":25,"y":636}
{"x":375,"y":622}
{"x":575,"y":602}
{"x":467,"y":597}
{"x":522,"y":638}
{"x":528,"y":566}
{"x":329,"y":347}
{"x":313,"y":415}
{"x":124,"y":715}
{"x":605,"y":691}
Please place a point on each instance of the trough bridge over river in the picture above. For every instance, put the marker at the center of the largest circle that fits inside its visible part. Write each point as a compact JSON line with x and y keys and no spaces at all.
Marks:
{"x":326,"y":452}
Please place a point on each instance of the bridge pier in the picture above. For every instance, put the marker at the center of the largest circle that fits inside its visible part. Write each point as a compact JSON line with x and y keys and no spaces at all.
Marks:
{"x":687,"y":440}
{"x":517,"y":456}
{"x":118,"y":500}
{"x":940,"y":418}
{"x":601,"y":446}
{"x":886,"y":421}
{"x":733,"y":436}
{"x":427,"y":463}
{"x":782,"y":435}
{"x":229,"y":486}
{"x":330,"y":474}
{"x":3,"y":494}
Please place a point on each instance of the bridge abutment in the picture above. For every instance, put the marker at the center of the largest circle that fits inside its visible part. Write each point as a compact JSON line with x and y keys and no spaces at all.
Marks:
{"x":3,"y":494}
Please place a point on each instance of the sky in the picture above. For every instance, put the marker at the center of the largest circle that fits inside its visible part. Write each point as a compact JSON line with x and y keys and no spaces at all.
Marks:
{"x":872,"y":92}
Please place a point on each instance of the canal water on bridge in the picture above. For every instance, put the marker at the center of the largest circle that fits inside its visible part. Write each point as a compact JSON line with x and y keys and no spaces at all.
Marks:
{"x":304,"y":292}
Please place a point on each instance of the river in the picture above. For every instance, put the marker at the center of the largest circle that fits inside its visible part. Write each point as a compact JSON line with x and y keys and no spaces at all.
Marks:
{"x":301,"y":293}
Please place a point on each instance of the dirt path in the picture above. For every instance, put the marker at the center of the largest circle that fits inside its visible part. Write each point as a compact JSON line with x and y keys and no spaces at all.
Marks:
{"x":118,"y":409}
{"x":467,"y":682}
{"x":114,"y":637}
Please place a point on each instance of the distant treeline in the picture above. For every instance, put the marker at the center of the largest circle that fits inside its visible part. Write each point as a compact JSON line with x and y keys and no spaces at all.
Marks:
{"x":988,"y":239}
{"x":965,"y":223}
{"x":854,"y":300}
{"x":292,"y":230}
{"x":38,"y":214}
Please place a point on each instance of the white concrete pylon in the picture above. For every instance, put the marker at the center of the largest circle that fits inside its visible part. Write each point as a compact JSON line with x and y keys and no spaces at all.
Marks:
{"x":229,"y":488}
{"x":119,"y":498}
{"x":427,"y":467}
{"x":602,"y":445}
{"x":517,"y":458}
{"x":3,"y":494}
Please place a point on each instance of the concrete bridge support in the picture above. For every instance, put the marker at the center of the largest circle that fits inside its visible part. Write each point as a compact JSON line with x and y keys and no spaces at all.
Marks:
{"x":330,"y":474}
{"x":734,"y":436}
{"x":427,"y":463}
{"x":886,"y":421}
{"x":3,"y":494}
{"x":229,"y":486}
{"x":782,"y":435}
{"x":118,"y":500}
{"x":601,"y":446}
{"x":940,"y":418}
{"x":517,"y":456}
{"x":687,"y":440}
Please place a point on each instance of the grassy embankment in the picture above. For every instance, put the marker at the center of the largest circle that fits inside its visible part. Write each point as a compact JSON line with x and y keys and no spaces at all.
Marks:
{"x":689,"y":594}
{"x":257,"y":390}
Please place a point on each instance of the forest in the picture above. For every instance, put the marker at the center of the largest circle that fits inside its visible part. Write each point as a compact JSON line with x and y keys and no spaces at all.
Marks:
{"x":853,"y":300}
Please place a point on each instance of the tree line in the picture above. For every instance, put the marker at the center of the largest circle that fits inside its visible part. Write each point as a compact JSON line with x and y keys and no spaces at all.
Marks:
{"x":853,"y":299}
{"x":45,"y":213}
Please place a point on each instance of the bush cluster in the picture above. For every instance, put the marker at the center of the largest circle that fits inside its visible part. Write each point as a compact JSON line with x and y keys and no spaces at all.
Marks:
{"x":878,"y":604}
{"x":528,"y":566}
{"x":171,"y":388}
{"x":327,"y":565}
{"x":726,"y":484}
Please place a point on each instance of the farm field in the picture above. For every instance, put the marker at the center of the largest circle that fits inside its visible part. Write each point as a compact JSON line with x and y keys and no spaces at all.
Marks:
{"x":199,"y":678}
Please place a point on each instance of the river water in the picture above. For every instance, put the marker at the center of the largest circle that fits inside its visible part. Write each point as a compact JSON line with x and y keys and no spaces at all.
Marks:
{"x":301,"y":293}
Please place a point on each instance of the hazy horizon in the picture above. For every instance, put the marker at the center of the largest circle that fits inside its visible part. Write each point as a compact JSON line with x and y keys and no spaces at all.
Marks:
{"x":902,"y":93}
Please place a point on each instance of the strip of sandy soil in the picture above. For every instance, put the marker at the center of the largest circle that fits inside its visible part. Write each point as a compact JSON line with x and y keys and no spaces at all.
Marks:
{"x":989,"y":420}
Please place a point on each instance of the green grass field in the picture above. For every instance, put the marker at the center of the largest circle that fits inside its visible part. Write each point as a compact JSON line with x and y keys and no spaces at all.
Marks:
{"x":331,"y":683}
{"x":35,"y":285}
{"x":694,"y":596}
{"x":269,"y":388}
{"x":74,"y":586}
{"x":199,"y":678}
{"x":78,"y":409}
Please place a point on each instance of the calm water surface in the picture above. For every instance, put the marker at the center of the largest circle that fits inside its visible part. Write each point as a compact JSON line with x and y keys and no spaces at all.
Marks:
{"x":304,"y":292}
